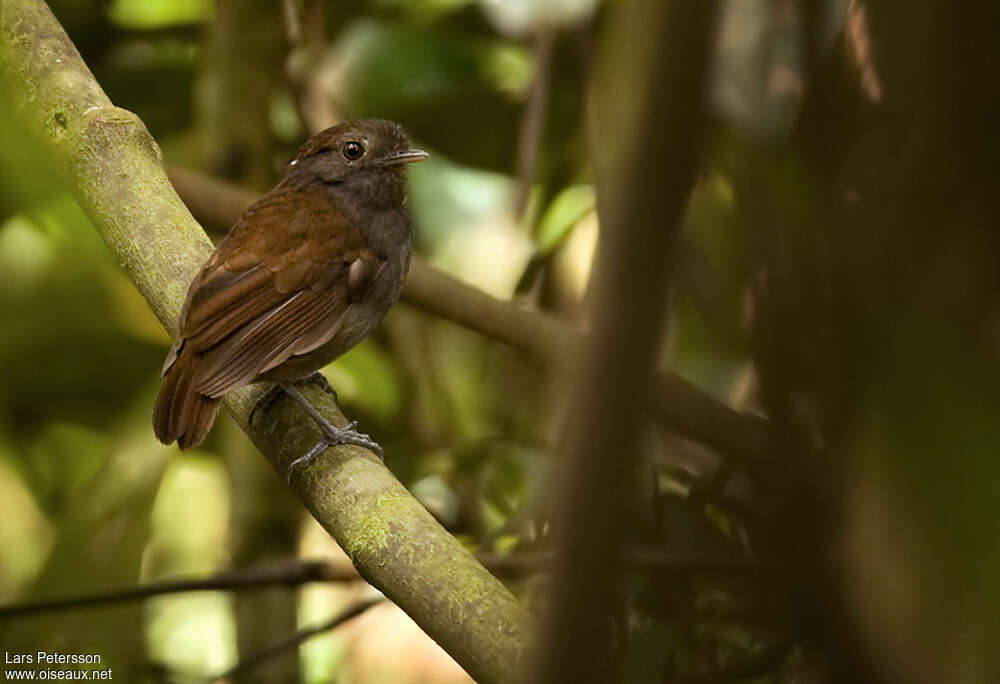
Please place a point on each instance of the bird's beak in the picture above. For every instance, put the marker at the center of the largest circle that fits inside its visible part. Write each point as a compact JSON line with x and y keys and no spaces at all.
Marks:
{"x":404,"y":157}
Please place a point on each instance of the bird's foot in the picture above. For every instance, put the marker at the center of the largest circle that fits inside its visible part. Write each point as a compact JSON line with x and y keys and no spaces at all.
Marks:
{"x":332,"y":435}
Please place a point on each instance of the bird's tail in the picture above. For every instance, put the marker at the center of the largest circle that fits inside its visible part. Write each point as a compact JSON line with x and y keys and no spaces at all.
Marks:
{"x":181,"y":413}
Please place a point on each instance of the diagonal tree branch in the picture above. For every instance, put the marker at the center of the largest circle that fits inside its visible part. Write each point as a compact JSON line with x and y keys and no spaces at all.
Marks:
{"x":116,"y":174}
{"x":682,"y":406}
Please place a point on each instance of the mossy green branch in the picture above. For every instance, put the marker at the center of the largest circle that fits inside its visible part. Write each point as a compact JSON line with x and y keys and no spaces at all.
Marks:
{"x":116,"y":174}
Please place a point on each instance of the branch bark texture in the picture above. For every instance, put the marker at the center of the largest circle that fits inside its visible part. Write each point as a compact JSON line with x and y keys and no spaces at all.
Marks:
{"x":117,"y":177}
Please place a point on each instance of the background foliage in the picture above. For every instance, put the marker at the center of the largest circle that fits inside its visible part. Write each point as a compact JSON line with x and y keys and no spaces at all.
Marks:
{"x":836,"y":273}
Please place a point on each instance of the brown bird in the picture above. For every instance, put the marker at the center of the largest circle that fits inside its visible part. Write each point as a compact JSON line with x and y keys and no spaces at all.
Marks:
{"x":305,"y":274}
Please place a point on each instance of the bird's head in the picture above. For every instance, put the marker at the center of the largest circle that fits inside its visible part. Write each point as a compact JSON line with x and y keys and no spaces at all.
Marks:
{"x":368,"y":151}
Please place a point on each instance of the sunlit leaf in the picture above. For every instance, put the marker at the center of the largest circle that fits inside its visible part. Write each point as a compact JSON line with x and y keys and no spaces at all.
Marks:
{"x":568,"y":207}
{"x":150,"y":14}
{"x":520,"y":17}
{"x":196,"y":633}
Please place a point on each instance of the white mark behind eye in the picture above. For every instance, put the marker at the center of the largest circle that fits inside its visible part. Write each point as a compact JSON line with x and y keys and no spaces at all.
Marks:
{"x":293,"y":162}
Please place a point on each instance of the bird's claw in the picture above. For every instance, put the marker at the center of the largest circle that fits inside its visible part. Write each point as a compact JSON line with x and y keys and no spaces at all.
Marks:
{"x":344,"y":435}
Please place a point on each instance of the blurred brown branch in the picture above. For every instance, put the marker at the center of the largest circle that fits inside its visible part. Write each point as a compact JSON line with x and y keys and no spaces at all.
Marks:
{"x":294,"y":640}
{"x":517,"y":564}
{"x":292,"y":573}
{"x":305,"y":33}
{"x":243,"y":69}
{"x":533,"y":118}
{"x":857,"y":35}
{"x":296,"y":572}
{"x":661,"y":51}
{"x":682,"y":406}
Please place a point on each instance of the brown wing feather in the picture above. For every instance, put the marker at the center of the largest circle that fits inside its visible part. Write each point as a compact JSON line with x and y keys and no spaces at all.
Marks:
{"x":226,"y":301}
{"x":272,"y":290}
{"x":182,"y":415}
{"x":267,"y":341}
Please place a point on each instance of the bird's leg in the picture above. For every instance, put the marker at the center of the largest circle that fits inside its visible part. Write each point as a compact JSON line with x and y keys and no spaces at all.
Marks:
{"x":317,"y":378}
{"x":331,"y":433}
{"x":267,"y":400}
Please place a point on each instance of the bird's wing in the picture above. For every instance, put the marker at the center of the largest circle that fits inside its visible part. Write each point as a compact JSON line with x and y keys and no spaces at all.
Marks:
{"x":279,"y":285}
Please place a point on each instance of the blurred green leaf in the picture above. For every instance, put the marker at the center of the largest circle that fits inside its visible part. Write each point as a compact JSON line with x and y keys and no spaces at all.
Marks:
{"x":151,"y":14}
{"x":465,"y":222}
{"x":29,"y":170}
{"x":423,"y":11}
{"x":451,"y":90}
{"x":285,"y":119}
{"x":195,"y":633}
{"x":565,"y":210}
{"x":67,"y":457}
{"x":26,"y":255}
{"x":62,"y":352}
{"x":26,"y":536}
{"x":129,"y":67}
{"x":437,"y":497}
{"x":366,"y":377}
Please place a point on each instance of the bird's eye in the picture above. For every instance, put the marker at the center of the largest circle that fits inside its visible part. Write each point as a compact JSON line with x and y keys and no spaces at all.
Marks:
{"x":353,"y":150}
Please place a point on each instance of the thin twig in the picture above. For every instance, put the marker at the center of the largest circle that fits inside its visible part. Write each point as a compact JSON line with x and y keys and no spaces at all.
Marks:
{"x":305,"y":31}
{"x":857,"y":35}
{"x":533,"y":120}
{"x":292,"y":13}
{"x":298,"y":572}
{"x":522,"y":563}
{"x":287,"y":574}
{"x":293,"y":640}
{"x":298,"y":61}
